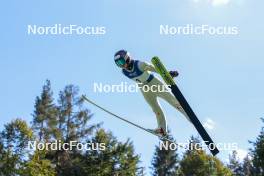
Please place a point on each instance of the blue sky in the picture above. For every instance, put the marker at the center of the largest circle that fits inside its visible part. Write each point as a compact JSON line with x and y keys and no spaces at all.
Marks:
{"x":220,"y":76}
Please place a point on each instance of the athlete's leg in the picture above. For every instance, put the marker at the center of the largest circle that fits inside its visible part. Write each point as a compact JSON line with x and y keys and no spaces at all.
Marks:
{"x":152,"y":100}
{"x":169,"y":97}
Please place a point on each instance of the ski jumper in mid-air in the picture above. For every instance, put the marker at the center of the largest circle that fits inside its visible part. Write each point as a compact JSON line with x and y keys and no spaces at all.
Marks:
{"x":141,"y":73}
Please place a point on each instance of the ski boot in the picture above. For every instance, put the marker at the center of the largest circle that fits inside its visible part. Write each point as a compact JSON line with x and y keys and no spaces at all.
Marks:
{"x":159,"y":132}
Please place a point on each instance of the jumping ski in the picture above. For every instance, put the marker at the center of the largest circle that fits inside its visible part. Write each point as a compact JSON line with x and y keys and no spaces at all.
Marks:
{"x":160,"y":68}
{"x":163,"y":138}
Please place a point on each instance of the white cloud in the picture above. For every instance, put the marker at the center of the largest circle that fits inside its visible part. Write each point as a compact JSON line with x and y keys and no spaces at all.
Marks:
{"x":241,"y":154}
{"x":209,"y":124}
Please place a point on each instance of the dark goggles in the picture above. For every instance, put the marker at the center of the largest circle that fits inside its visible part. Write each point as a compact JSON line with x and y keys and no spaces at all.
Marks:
{"x":120,"y":62}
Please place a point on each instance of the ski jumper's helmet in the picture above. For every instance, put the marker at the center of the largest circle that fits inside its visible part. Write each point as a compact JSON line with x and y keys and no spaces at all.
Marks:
{"x":121,"y":58}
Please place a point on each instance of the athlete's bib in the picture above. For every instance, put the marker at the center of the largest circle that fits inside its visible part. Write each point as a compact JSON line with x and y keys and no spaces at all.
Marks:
{"x":137,"y":74}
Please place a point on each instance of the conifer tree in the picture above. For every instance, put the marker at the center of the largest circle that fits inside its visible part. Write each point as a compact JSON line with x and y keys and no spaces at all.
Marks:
{"x":248,"y":168}
{"x":117,"y":159}
{"x":45,"y":114}
{"x":72,"y":125}
{"x":234,"y":164}
{"x":13,"y":146}
{"x":63,"y":122}
{"x":195,"y":161}
{"x":165,"y":161}
{"x":257,"y":153}
{"x":38,"y":165}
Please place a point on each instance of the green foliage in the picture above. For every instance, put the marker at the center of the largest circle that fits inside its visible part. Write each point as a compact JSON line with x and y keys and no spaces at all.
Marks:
{"x":13,"y":146}
{"x":64,"y":121}
{"x":248,"y":168}
{"x":195,"y":161}
{"x":117,"y":158}
{"x":67,"y":120}
{"x":45,"y":114}
{"x":258,"y":153}
{"x":234,"y":165}
{"x":73,"y":119}
{"x":165,"y":162}
{"x":38,"y":166}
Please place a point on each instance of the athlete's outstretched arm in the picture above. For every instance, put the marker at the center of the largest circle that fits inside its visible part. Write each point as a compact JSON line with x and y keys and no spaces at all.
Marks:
{"x":149,"y":67}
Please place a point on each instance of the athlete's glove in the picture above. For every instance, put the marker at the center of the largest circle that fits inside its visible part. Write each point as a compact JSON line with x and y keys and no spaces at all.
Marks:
{"x":174,"y":73}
